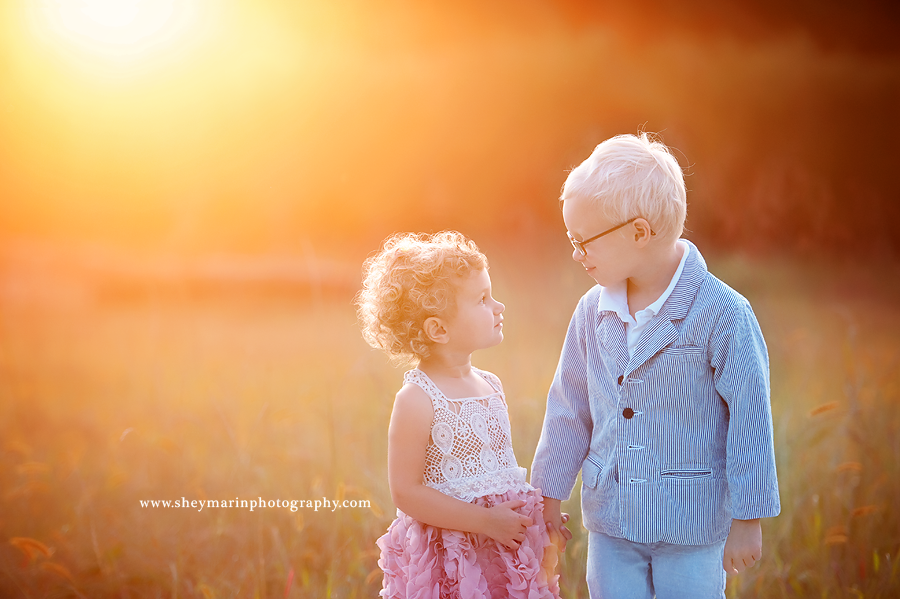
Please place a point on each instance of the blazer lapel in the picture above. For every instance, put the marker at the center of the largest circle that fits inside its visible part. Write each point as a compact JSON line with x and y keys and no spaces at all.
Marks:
{"x":659,"y":334}
{"x":661,"y":331}
{"x":611,"y":331}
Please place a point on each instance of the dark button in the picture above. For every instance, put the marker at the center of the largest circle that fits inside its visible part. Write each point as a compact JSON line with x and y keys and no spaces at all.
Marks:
{"x":620,"y":378}
{"x":628,"y":413}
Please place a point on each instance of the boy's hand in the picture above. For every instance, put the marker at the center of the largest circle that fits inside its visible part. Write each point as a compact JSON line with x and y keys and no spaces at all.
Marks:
{"x":743,"y":548}
{"x":559,"y":534}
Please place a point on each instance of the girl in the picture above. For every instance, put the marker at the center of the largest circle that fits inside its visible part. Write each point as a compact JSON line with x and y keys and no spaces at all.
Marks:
{"x":468,"y":524}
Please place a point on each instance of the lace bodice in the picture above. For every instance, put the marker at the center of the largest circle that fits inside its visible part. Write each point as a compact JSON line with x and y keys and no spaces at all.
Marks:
{"x":470,"y":451}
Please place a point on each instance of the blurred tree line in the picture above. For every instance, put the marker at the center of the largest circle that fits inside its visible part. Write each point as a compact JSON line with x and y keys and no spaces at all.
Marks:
{"x":866,"y":26}
{"x":337,"y":120}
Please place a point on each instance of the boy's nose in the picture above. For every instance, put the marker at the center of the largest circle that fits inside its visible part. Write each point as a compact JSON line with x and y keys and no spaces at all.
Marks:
{"x":577,"y":256}
{"x":500,"y":307}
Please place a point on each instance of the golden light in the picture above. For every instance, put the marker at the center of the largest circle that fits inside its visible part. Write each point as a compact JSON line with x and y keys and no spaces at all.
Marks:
{"x":119,"y":28}
{"x":110,"y":13}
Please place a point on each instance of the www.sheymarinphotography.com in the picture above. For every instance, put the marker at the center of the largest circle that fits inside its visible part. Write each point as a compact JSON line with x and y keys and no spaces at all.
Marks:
{"x":557,"y":299}
{"x":293,"y":505}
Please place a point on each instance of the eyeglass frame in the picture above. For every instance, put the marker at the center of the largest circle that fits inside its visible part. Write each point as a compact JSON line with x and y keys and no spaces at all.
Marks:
{"x":579,"y":245}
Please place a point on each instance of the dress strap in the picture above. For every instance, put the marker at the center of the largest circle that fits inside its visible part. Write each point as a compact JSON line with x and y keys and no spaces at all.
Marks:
{"x":492,"y":379}
{"x":419,"y":378}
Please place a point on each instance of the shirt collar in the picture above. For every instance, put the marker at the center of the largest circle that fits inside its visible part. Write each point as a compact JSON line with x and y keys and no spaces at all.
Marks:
{"x":615,"y":298}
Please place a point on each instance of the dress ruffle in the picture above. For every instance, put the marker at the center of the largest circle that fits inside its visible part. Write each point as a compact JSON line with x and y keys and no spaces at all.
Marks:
{"x":422,"y":561}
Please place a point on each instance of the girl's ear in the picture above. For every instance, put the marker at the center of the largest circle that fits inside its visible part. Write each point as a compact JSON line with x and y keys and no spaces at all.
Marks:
{"x":435,"y":330}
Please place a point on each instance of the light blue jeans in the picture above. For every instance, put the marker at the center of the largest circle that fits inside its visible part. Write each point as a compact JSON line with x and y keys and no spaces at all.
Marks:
{"x":622,"y":569}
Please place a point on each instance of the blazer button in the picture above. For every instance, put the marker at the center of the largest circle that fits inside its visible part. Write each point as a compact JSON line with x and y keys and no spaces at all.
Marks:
{"x":621,"y":377}
{"x":628,"y":413}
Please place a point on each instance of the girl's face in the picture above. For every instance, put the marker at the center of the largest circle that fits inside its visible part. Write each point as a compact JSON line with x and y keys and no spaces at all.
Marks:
{"x":478,"y":321}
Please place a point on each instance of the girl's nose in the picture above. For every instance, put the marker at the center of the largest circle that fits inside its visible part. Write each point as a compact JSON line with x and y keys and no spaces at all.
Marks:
{"x":500,"y":308}
{"x":577,"y":256}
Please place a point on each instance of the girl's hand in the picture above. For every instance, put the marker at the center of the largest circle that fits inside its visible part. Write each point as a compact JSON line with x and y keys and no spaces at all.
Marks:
{"x":505,"y":525}
{"x":559,"y":534}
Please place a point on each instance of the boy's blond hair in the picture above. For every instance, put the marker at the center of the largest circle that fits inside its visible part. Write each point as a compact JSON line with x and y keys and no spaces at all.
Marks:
{"x":411,"y":278}
{"x":633,"y":175}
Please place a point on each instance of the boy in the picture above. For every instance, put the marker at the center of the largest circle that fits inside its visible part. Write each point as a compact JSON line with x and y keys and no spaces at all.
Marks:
{"x":661,"y":396}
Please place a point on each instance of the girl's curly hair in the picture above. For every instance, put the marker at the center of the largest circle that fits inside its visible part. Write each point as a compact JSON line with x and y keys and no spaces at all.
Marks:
{"x":409,"y":280}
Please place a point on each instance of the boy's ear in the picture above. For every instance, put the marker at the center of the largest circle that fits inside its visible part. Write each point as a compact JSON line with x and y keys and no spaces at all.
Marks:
{"x":435,"y":330}
{"x":642,"y":231}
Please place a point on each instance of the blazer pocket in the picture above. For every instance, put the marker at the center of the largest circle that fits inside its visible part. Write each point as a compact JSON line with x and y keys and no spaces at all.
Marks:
{"x":686,"y":475}
{"x":590,"y":471}
{"x":685,"y":350}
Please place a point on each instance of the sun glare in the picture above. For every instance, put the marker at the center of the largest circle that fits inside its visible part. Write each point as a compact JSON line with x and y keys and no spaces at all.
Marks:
{"x":112,"y":13}
{"x":120,"y":27}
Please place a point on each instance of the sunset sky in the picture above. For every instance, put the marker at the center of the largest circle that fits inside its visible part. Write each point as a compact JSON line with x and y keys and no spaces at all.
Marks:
{"x":229,"y":123}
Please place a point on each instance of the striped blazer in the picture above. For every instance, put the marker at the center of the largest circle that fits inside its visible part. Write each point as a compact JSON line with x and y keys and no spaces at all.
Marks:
{"x":676,"y":440}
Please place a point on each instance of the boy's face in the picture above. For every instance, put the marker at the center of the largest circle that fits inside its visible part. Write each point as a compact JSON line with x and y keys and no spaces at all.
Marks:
{"x":610,"y":259}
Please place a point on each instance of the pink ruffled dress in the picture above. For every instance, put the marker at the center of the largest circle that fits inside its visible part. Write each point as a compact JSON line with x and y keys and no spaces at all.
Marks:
{"x":469,"y":457}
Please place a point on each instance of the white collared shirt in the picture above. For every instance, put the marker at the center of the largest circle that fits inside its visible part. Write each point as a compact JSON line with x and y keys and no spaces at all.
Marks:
{"x":616,"y":300}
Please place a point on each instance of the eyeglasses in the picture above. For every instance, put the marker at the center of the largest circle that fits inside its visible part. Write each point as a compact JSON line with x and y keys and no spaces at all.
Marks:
{"x":579,"y":245}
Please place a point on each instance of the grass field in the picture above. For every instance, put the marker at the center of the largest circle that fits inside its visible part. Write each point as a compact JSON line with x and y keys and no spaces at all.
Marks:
{"x":110,"y":398}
